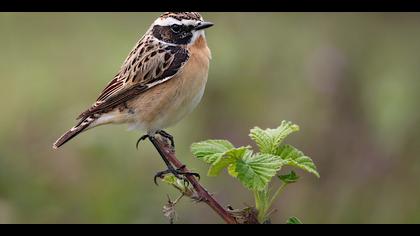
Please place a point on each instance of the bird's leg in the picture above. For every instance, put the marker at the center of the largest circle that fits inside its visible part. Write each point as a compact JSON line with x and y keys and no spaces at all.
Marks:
{"x":166,"y":135}
{"x":176,"y":172}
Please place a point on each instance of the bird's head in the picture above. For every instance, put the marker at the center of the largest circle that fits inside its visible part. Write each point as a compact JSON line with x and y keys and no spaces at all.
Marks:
{"x":180,"y":28}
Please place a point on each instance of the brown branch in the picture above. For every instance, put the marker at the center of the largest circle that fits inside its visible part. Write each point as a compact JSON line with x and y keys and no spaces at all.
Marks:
{"x":201,"y":191}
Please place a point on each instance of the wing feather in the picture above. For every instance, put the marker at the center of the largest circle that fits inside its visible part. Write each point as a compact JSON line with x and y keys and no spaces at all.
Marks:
{"x":144,"y":69}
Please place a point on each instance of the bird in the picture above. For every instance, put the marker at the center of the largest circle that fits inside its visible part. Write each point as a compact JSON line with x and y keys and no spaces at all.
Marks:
{"x":160,"y":82}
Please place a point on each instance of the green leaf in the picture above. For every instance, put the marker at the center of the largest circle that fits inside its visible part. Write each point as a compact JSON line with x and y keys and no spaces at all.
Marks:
{"x":228,"y":158}
{"x":232,"y":170}
{"x":175,"y":182}
{"x":292,"y":177}
{"x":211,"y":150}
{"x":262,"y":138}
{"x":268,"y":140}
{"x":256,"y":171}
{"x":294,"y":221}
{"x":296,"y":158}
{"x":169,"y":179}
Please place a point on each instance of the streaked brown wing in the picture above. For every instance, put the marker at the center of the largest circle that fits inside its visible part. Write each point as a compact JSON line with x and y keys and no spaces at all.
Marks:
{"x":138,"y":74}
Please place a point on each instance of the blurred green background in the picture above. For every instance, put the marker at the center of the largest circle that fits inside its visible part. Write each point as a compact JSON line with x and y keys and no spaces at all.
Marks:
{"x":350,"y":80}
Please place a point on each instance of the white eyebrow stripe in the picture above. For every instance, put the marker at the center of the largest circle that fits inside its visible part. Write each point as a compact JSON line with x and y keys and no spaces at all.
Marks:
{"x":171,"y":21}
{"x":165,"y":43}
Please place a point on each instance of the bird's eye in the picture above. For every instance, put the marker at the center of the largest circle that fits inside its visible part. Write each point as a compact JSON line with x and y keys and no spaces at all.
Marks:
{"x":175,"y":28}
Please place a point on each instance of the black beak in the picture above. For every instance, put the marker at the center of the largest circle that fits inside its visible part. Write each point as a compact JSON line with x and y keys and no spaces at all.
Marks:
{"x":203,"y":25}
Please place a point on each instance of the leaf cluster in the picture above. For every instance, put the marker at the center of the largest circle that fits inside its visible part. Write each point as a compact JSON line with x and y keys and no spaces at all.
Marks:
{"x":255,"y":169}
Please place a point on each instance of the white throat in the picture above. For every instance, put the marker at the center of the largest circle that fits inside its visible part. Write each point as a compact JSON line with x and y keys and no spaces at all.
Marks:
{"x":196,"y":35}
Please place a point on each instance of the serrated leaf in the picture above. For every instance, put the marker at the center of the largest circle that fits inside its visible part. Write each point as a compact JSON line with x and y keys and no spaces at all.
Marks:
{"x":226,"y":159}
{"x":256,"y":171}
{"x":296,"y":158}
{"x":285,"y":128}
{"x":292,"y":177}
{"x":262,"y":139}
{"x":268,"y":140}
{"x":294,"y":221}
{"x":211,"y":150}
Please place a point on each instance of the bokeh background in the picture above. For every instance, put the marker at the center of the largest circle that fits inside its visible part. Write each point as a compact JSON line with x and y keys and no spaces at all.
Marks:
{"x":350,"y":80}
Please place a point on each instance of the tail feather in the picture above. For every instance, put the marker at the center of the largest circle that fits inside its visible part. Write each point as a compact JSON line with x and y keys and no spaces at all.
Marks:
{"x":73,"y":132}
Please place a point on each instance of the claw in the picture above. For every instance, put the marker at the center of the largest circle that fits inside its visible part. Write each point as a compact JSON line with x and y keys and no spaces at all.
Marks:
{"x":155,"y":180}
{"x":167,"y":136}
{"x":197,"y":175}
{"x":161,"y":175}
{"x":178,"y":173}
{"x":141,"y":139}
{"x":186,"y":182}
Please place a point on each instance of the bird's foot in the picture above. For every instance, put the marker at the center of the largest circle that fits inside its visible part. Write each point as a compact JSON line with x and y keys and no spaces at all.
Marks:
{"x":178,"y":173}
{"x":162,"y":133}
{"x":168,"y":137}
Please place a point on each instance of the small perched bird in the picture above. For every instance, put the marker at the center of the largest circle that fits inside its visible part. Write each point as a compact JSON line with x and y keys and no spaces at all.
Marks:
{"x":160,"y":82}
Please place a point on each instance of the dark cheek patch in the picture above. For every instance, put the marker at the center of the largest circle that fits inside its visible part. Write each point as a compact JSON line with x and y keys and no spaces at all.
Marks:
{"x":165,"y":34}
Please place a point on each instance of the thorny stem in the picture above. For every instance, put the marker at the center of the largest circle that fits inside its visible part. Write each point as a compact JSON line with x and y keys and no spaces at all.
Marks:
{"x":201,"y":191}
